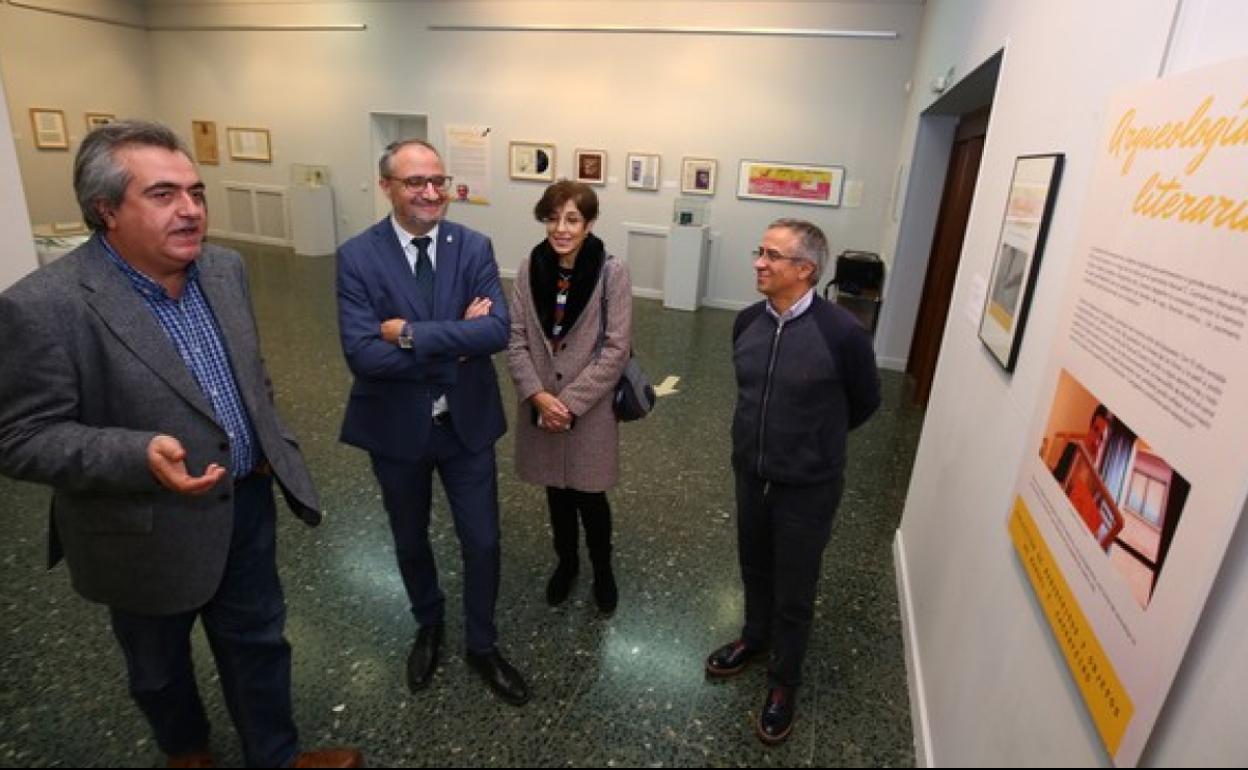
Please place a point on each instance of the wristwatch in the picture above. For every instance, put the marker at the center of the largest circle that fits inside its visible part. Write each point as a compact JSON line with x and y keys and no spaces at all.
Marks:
{"x":405,"y":337}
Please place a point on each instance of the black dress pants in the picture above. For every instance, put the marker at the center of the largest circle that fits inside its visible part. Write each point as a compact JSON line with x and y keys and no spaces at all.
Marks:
{"x":595,"y":515}
{"x":782,"y":530}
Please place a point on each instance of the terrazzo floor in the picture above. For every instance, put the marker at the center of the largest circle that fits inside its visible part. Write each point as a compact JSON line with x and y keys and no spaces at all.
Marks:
{"x":623,"y":691}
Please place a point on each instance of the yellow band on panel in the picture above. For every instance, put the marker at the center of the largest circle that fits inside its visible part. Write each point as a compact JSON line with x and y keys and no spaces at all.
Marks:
{"x":1103,"y":692}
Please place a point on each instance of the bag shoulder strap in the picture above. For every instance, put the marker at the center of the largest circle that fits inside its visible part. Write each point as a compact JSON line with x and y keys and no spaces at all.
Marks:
{"x":602,"y":317}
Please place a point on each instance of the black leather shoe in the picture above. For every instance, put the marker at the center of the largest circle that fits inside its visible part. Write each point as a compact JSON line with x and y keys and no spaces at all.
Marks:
{"x":423,"y":658}
{"x":731,"y":659}
{"x":560,"y":584}
{"x":504,"y":680}
{"x":775,"y":721}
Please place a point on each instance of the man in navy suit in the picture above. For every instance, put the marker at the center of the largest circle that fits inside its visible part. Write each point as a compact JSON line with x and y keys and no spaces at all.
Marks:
{"x":420,"y":311}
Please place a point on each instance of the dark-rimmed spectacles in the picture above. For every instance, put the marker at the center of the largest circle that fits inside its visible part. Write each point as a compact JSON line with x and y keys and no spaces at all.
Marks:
{"x":415,"y":184}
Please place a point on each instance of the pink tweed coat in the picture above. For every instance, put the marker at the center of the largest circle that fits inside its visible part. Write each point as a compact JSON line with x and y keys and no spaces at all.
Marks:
{"x":585,"y":458}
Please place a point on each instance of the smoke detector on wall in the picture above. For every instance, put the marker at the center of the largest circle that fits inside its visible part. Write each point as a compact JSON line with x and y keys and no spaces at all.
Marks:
{"x":941,"y":82}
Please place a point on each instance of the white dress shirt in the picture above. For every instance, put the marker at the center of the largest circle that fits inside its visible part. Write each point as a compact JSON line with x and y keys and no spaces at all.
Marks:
{"x":410,"y":251}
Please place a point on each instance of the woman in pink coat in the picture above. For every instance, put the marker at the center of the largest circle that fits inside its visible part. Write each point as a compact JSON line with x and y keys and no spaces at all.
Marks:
{"x":565,"y":361}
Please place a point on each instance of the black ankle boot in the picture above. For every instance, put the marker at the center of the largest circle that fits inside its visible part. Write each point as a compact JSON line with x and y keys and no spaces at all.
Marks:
{"x":606,"y":595}
{"x":560,"y":584}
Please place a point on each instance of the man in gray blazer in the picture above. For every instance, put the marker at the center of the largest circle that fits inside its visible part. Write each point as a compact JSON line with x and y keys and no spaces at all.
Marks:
{"x":131,"y":383}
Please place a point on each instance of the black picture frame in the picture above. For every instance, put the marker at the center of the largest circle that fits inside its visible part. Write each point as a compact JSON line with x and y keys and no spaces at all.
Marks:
{"x":1016,"y":261}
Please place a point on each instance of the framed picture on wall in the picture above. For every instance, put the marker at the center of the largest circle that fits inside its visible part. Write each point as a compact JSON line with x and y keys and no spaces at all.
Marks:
{"x":48,"y":129}
{"x":531,"y":161}
{"x":591,"y":166}
{"x":642,"y":171}
{"x":204,"y":138}
{"x":97,"y":119}
{"x":249,"y":144}
{"x":697,"y":176}
{"x":1028,"y":209}
{"x":791,"y":182}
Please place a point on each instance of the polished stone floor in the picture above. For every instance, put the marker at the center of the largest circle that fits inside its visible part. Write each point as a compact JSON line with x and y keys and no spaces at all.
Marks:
{"x":623,"y":691}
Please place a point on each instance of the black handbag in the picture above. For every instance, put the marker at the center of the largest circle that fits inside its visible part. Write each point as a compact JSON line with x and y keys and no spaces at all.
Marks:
{"x":634,"y":395}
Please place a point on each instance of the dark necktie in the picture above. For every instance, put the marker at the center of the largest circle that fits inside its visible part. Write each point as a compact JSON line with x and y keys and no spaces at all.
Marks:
{"x":424,"y":282}
{"x":424,"y":270}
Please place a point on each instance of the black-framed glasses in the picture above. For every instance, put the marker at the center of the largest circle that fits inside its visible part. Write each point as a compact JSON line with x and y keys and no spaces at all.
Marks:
{"x":771,"y":255}
{"x":415,"y":184}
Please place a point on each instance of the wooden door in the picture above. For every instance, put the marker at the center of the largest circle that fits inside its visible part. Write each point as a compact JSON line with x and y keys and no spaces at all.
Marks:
{"x":942,"y":264}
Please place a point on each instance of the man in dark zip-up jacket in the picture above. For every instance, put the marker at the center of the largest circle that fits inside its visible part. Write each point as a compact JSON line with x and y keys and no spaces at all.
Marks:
{"x":806,"y":376}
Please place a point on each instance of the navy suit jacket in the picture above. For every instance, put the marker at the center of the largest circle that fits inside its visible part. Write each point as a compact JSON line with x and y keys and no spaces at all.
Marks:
{"x":391,"y":402}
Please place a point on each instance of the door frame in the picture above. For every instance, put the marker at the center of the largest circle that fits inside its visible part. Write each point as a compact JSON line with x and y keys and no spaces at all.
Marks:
{"x":384,"y":128}
{"x":924,"y":184}
{"x":948,"y":237}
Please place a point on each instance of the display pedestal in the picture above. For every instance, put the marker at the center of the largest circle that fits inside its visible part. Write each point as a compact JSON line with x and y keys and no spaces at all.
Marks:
{"x":684,"y":278}
{"x":312,"y":220}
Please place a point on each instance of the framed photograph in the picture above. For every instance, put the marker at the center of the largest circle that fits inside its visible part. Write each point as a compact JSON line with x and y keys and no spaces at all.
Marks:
{"x":531,"y":161}
{"x":791,"y":182}
{"x":204,"y":139}
{"x":97,"y":119}
{"x":1028,"y":209}
{"x":48,"y":129}
{"x":591,"y":166}
{"x":697,"y":176}
{"x":250,"y":144}
{"x":642,"y":171}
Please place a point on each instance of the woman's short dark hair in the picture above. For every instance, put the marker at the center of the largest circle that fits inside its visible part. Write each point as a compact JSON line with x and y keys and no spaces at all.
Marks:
{"x":559,"y":193}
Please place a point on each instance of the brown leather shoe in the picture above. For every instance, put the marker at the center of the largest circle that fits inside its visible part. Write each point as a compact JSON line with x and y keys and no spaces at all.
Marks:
{"x":329,"y":758}
{"x":191,"y":759}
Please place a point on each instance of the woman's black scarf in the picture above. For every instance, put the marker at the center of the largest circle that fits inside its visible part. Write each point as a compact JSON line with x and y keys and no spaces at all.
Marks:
{"x":544,"y":277}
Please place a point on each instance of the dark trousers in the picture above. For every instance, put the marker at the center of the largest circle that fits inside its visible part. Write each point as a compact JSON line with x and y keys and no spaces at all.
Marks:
{"x":243,"y":622}
{"x":782,"y":531}
{"x":471,"y":485}
{"x":595,"y":516}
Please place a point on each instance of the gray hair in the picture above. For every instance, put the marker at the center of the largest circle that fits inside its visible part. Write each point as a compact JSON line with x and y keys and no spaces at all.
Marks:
{"x":812,"y":243}
{"x":99,"y":177}
{"x":383,"y":163}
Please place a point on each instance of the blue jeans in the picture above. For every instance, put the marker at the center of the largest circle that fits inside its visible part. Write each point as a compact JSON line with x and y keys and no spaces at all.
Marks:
{"x":243,"y":622}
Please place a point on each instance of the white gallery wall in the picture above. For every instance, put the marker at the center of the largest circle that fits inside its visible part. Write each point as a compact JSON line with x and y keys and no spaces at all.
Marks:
{"x":15,"y":242}
{"x":77,"y":66}
{"x":798,"y":99}
{"x":989,"y":686}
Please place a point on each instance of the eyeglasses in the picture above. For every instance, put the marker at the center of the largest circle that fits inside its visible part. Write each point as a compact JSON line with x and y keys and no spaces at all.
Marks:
{"x":571,"y":220}
{"x":772,"y":256}
{"x":415,"y":184}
